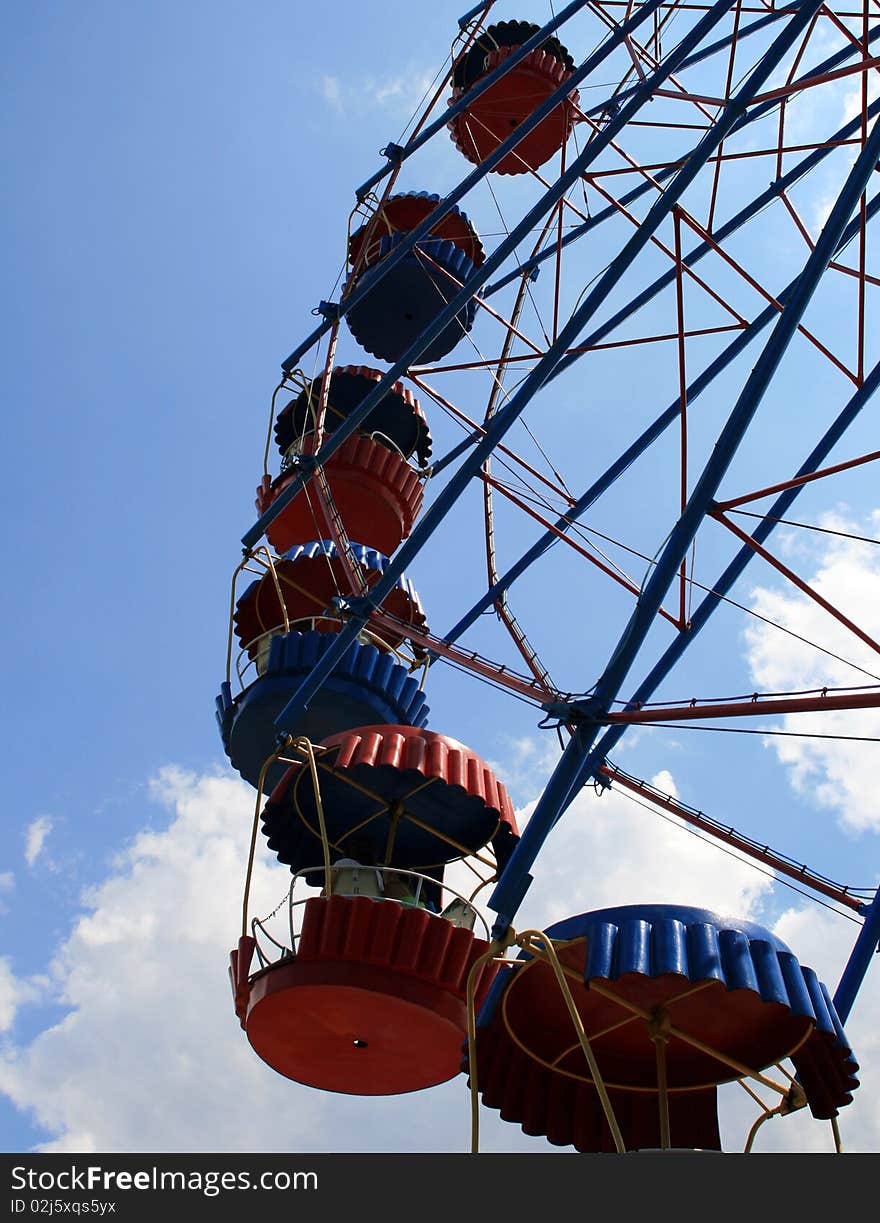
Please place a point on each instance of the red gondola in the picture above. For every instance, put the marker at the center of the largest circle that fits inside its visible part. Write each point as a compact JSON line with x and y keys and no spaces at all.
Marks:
{"x":493,"y":116}
{"x":392,"y":795}
{"x":377,"y":494}
{"x":370,"y":998}
{"x":299,"y":591}
{"x":371,"y":1002}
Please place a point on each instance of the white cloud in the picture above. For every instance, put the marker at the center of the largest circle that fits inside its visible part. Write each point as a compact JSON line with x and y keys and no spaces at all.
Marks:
{"x":13,"y":994}
{"x":528,"y":762}
{"x":7,"y":883}
{"x":610,"y":850}
{"x":823,"y":941}
{"x":332,"y":91}
{"x":35,"y":838}
{"x":400,"y":92}
{"x":150,"y":1047}
{"x":839,"y":775}
{"x":836,"y":774}
{"x":400,"y":95}
{"x":149,"y":1055}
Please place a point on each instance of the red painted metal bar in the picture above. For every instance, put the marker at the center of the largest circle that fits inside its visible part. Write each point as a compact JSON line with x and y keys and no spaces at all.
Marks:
{"x":766,"y":7}
{"x":655,"y":339}
{"x":502,"y":606}
{"x":728,"y":85}
{"x":797,"y":481}
{"x":729,"y":836}
{"x":532,"y":690}
{"x":803,"y":586}
{"x":682,"y":394}
{"x":804,"y":232}
{"x":351,"y":568}
{"x":418,"y":381}
{"x":750,"y":280}
{"x":755,"y":708}
{"x":506,"y":323}
{"x":812,"y":82}
{"x":707,"y":288}
{"x":775,"y":151}
{"x":558,"y":277}
{"x":796,"y":62}
{"x":645,"y":339}
{"x":313,"y":442}
{"x":594,"y":560}
{"x":867,"y":278}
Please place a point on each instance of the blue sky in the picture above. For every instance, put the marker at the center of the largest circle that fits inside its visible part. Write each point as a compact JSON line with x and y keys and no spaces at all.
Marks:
{"x":182,"y":177}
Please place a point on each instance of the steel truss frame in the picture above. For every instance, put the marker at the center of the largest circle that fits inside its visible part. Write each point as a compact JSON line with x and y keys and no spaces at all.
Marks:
{"x":595,"y":725}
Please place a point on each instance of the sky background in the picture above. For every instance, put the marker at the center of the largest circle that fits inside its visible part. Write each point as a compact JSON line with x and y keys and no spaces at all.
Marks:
{"x":181,"y":176}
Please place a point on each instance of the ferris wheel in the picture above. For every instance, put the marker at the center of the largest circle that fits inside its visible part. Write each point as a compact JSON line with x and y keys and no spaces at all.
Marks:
{"x":661,"y":240}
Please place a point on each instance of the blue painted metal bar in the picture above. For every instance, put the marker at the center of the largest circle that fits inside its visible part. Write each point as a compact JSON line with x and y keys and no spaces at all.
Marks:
{"x":506,"y":416}
{"x":866,"y":945}
{"x":409,"y":241}
{"x":644,"y":440}
{"x":478,"y":88}
{"x":744,"y":32}
{"x":598,"y":109}
{"x":399,"y":251}
{"x":464,"y":22}
{"x":737,"y":565}
{"x":660,"y":176}
{"x":617,"y":37}
{"x":580,"y":758}
{"x":495,"y":259}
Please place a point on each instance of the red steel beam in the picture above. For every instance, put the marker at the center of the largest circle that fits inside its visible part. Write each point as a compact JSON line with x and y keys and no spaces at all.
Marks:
{"x":811,"y":82}
{"x":645,"y":339}
{"x":797,"y":481}
{"x":499,"y":674}
{"x":754,"y":708}
{"x":803,"y":586}
{"x":566,"y":539}
{"x":471,"y":424}
{"x":731,"y":837}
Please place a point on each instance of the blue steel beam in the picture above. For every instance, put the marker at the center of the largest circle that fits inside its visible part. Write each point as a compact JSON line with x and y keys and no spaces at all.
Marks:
{"x":581,"y":758}
{"x":641,"y":443}
{"x":599,"y":108}
{"x":505,"y":417}
{"x":341,"y":434}
{"x":497,"y":257}
{"x":660,"y":176}
{"x":478,"y":88}
{"x":464,"y":22}
{"x":614,"y":40}
{"x":401,"y":250}
{"x":737,"y":565}
{"x":859,"y":962}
